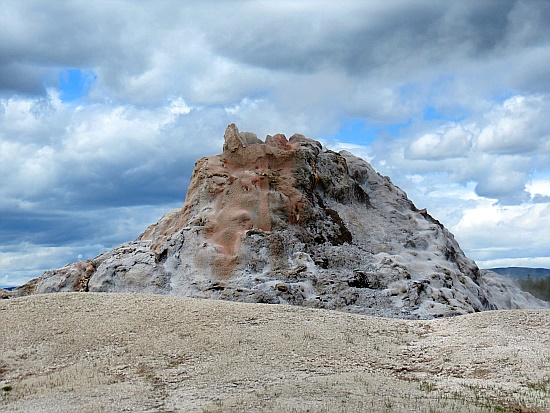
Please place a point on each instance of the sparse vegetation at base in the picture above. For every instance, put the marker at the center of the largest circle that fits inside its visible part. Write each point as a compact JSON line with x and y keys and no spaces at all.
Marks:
{"x":539,"y":287}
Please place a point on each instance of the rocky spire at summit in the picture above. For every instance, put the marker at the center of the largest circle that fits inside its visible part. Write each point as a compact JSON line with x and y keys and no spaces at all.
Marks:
{"x":288,"y":221}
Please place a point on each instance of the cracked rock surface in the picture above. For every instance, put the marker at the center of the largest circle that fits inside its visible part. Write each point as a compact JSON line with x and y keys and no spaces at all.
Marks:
{"x":287,"y":221}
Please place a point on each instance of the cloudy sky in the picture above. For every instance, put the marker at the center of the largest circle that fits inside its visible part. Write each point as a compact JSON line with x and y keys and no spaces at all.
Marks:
{"x":105,"y":106}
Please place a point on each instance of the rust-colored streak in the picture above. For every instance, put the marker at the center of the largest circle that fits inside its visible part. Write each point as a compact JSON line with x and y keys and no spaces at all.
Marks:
{"x":229,"y":194}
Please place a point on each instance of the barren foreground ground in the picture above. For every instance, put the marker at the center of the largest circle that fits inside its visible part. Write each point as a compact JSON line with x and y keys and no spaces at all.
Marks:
{"x":83,"y":352}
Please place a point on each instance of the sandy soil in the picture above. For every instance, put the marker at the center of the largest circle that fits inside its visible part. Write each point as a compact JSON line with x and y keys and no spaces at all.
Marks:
{"x":84,"y":352}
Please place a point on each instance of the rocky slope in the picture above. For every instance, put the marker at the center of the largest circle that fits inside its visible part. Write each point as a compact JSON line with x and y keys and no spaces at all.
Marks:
{"x":290,"y":222}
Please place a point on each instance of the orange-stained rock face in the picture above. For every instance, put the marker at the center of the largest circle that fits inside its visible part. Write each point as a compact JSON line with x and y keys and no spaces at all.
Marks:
{"x":232,"y":193}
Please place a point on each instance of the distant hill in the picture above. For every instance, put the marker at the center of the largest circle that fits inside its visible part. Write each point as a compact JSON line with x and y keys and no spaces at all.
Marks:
{"x":522,"y":272}
{"x":533,"y":280}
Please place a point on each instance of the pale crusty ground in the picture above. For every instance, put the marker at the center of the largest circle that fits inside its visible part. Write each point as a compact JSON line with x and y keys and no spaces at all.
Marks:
{"x":84,"y":352}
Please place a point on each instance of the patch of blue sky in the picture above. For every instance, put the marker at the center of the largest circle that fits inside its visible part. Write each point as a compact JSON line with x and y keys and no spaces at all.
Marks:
{"x":434,"y":108}
{"x":448,"y":114}
{"x":541,"y":172}
{"x":431,"y":113}
{"x":394,"y":129}
{"x":362,"y":132}
{"x":75,"y":84}
{"x":501,"y":95}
